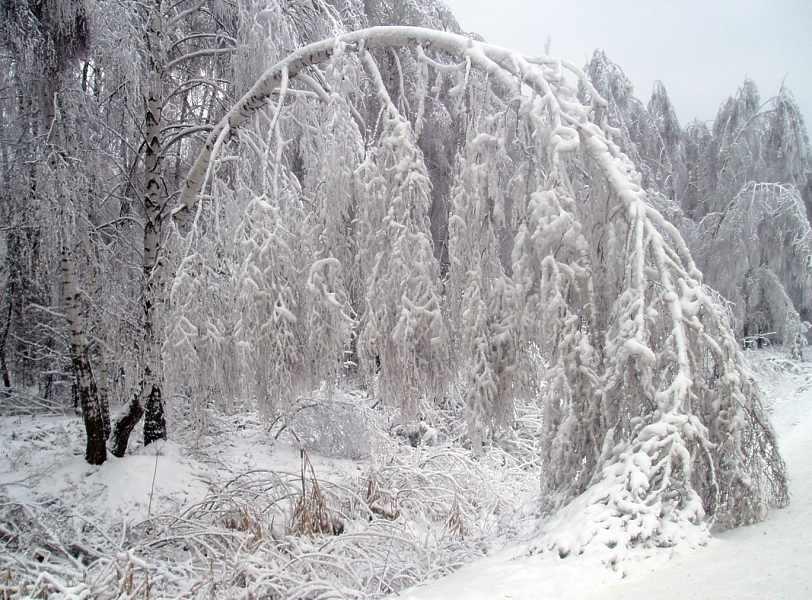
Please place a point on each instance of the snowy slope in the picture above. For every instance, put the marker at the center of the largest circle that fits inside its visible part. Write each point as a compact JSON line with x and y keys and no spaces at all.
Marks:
{"x":770,"y":560}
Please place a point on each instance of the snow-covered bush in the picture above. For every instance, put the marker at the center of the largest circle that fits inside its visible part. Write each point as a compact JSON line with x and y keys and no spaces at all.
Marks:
{"x":331,"y":427}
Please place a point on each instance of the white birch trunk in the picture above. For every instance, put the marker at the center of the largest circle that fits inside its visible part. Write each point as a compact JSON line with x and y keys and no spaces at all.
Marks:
{"x":149,"y":388}
{"x":92,"y":410}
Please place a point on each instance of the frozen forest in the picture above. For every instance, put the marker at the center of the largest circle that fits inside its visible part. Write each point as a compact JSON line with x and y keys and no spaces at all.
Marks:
{"x":330,"y":298}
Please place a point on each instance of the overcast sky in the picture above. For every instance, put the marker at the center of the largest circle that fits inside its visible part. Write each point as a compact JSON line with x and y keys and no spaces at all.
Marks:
{"x":700,"y":49}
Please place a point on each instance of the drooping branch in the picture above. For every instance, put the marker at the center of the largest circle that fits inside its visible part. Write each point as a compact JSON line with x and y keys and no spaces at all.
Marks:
{"x":500,"y":64}
{"x":197,"y":54}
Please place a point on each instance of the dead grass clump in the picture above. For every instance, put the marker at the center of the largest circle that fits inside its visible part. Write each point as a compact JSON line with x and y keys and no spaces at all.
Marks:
{"x":455,"y":525}
{"x":243,"y":519}
{"x":381,"y":503}
{"x":311,"y":515}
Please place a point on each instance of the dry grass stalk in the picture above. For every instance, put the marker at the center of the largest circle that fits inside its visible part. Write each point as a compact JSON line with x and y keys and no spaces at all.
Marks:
{"x":311,"y":516}
{"x":381,"y":503}
{"x":455,"y":524}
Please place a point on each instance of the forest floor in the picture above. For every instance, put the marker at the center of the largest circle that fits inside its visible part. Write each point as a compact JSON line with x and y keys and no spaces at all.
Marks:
{"x":215,"y":512}
{"x":771,"y":560}
{"x":214,"y":516}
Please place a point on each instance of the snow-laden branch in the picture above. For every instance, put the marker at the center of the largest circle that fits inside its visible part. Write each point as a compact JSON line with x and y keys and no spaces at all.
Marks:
{"x":197,"y":54}
{"x":502,"y":65}
{"x":219,"y":36}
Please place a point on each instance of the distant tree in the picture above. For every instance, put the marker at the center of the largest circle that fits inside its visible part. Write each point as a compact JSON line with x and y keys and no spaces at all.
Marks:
{"x":712,"y":182}
{"x":758,"y":253}
{"x":787,"y":147}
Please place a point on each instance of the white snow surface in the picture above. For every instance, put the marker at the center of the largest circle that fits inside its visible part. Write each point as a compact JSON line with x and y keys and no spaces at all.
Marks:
{"x":771,"y":560}
{"x":40,"y":459}
{"x":408,"y":514}
{"x":165,"y":477}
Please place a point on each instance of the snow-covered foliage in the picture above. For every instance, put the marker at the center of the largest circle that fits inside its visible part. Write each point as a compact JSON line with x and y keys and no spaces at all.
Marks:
{"x":467,"y":234}
{"x":481,"y":297}
{"x":765,"y":234}
{"x":552,"y":271}
{"x":403,"y":330}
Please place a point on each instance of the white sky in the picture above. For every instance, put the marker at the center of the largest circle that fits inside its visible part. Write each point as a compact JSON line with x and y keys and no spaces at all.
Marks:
{"x":700,"y":49}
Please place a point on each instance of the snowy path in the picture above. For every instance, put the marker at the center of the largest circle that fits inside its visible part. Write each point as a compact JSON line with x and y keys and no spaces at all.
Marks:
{"x":768,"y":561}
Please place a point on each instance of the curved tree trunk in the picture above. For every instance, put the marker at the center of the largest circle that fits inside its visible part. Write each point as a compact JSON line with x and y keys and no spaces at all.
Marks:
{"x":92,"y":413}
{"x":89,"y":399}
{"x":126,"y":423}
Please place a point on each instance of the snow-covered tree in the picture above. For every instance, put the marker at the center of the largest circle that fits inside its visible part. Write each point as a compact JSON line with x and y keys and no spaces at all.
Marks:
{"x":758,"y":253}
{"x":451,"y":216}
{"x":696,"y":176}
{"x":647,"y":366}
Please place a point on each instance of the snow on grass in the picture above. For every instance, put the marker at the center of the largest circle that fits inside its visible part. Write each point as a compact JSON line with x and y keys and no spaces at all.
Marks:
{"x":227,"y":516}
{"x":42,"y":458}
{"x":222,"y":518}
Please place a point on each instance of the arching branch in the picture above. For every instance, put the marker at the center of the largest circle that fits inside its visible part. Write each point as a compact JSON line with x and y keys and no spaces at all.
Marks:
{"x":502,"y":65}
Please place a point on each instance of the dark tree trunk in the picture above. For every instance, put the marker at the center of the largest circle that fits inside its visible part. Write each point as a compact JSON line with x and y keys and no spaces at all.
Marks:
{"x":154,"y":421}
{"x":126,"y":424}
{"x":153,"y":413}
{"x":89,"y":399}
{"x":96,"y":449}
{"x":4,"y":337}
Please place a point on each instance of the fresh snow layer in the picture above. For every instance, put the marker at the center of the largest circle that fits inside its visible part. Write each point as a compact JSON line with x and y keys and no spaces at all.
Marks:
{"x":165,"y":477}
{"x":771,"y":560}
{"x":40,"y":460}
{"x":34,"y":467}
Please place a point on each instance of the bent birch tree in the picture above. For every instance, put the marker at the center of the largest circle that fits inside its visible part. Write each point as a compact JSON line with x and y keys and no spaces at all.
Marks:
{"x":652,"y":417}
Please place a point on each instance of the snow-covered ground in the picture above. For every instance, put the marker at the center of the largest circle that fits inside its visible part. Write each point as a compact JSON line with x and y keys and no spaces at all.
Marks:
{"x":234,"y":489}
{"x":771,"y":560}
{"x":217,"y":515}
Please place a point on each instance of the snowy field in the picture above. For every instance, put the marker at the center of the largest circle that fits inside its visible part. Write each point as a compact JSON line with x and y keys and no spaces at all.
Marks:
{"x":148,"y":524}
